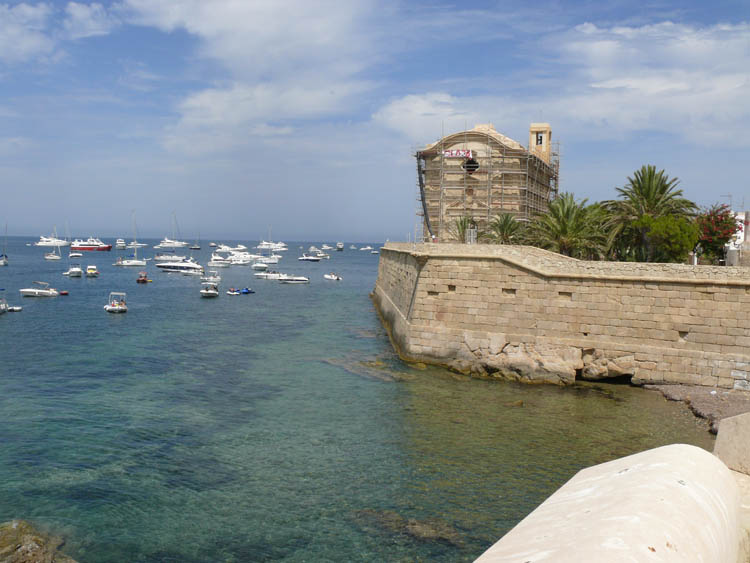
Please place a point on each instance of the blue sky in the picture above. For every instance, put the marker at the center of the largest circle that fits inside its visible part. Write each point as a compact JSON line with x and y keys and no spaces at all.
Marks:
{"x":303,"y":116}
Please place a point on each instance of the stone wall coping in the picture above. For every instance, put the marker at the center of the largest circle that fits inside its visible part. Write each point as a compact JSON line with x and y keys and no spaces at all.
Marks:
{"x":460,"y":251}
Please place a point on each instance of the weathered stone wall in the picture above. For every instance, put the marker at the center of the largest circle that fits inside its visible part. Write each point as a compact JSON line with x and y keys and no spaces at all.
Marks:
{"x":527,"y":314}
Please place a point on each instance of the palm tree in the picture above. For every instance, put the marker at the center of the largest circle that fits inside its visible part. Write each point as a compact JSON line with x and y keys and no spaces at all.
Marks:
{"x":571,"y":228}
{"x":460,"y":227}
{"x":647,"y":193}
{"x":504,"y":229}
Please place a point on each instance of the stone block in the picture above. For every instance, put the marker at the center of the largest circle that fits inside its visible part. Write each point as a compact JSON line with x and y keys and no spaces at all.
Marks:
{"x":731,"y":445}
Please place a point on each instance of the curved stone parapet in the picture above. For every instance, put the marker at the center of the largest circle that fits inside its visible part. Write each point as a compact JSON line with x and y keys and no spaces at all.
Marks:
{"x":676,"y":503}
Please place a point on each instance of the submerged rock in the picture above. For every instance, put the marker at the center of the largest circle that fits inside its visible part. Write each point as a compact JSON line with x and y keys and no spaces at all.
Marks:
{"x":20,"y":542}
{"x":429,"y":529}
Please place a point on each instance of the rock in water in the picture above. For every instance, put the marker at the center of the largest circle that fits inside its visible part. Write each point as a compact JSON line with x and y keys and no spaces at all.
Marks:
{"x":20,"y":542}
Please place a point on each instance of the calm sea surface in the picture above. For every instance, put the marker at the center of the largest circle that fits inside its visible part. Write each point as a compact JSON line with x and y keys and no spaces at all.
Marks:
{"x":274,"y":426}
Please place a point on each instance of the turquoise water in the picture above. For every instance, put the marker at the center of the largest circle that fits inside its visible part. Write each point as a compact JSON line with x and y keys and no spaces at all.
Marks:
{"x":275,"y":426}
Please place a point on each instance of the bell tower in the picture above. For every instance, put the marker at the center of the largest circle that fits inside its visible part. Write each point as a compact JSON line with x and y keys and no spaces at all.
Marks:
{"x":540,"y":140}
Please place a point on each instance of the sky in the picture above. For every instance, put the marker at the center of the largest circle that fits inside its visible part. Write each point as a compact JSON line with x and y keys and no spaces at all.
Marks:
{"x":300,"y":119}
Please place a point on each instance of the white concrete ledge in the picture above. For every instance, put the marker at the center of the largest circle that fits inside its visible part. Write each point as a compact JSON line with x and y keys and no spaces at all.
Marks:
{"x":676,"y":503}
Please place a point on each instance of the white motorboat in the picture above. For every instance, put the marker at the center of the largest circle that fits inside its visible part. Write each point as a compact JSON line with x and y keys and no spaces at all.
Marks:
{"x":326,"y":247}
{"x":374,"y":252}
{"x":180,"y":266}
{"x":269,"y":275}
{"x":293,"y":279}
{"x":74,"y":254}
{"x":90,"y":244}
{"x":333,"y":276}
{"x":309,"y":258}
{"x":116,"y":303}
{"x":366,"y":248}
{"x":212,"y":244}
{"x":313,"y":249}
{"x":352,"y":247}
{"x":272,"y":246}
{"x":339,"y":246}
{"x":209,"y":289}
{"x":54,"y":255}
{"x":227,"y":248}
{"x":41,"y":289}
{"x":135,"y":244}
{"x":120,"y":244}
{"x":171,"y":243}
{"x":74,"y":271}
{"x":212,"y":277}
{"x":3,"y":259}
{"x":91,"y":271}
{"x":3,"y":305}
{"x":259,"y":266}
{"x":219,"y":261}
{"x":322,"y":255}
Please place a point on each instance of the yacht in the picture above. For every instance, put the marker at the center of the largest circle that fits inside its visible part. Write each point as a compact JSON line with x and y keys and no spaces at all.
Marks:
{"x":135,"y":244}
{"x":51,"y":241}
{"x":116,"y":303}
{"x":180,"y":266}
{"x":339,"y":246}
{"x":41,"y":289}
{"x":309,"y":258}
{"x":91,"y":271}
{"x":120,"y":244}
{"x":273,"y":246}
{"x":209,"y":290}
{"x":90,"y":244}
{"x":326,"y":247}
{"x":368,"y":247}
{"x":171,"y":243}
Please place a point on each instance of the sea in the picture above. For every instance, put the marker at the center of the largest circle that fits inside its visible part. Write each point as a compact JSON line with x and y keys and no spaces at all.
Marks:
{"x":275,"y":426}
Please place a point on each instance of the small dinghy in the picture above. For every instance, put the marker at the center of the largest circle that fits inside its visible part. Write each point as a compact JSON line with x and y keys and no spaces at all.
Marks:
{"x":116,"y":303}
{"x":209,"y":290}
{"x":233,"y":291}
{"x":246,"y":291}
{"x":333,"y":276}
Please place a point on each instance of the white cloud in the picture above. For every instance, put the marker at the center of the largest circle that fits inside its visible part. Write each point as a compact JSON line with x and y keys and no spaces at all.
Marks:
{"x":87,"y":20}
{"x":685,"y":80}
{"x":23,"y":32}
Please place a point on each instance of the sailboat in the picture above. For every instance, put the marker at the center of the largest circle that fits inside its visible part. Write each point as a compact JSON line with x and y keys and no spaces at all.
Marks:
{"x":4,"y":255}
{"x":54,"y":255}
{"x":134,"y":261}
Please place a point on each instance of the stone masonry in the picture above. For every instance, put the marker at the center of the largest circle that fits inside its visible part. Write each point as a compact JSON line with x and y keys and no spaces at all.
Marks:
{"x":523,"y":313}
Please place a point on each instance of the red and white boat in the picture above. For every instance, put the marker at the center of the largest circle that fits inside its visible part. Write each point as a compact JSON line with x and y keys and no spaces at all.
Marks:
{"x":90,"y":244}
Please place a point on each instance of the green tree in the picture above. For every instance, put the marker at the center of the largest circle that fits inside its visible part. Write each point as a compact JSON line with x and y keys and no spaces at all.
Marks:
{"x":504,"y":229}
{"x":460,"y":227}
{"x":671,"y":238}
{"x":717,"y":225}
{"x":571,"y":228}
{"x":647,"y":193}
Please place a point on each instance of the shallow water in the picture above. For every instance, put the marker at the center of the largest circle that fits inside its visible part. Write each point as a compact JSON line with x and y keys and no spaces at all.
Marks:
{"x":275,"y":426}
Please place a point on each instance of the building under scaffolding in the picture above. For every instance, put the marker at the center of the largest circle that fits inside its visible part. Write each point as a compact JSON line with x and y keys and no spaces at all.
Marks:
{"x":481,"y":174}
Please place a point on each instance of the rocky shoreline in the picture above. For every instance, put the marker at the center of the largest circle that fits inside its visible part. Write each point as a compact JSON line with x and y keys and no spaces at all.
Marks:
{"x":20,"y":542}
{"x":707,"y":402}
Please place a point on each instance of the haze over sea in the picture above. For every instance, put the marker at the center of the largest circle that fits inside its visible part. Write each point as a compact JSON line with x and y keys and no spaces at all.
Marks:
{"x":274,"y":426}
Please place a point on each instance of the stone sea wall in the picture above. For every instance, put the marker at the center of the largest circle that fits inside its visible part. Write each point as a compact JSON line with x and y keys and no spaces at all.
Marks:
{"x":523,"y":313}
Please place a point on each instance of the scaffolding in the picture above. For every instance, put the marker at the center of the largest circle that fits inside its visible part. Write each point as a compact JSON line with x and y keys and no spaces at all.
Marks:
{"x":481,"y":174}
